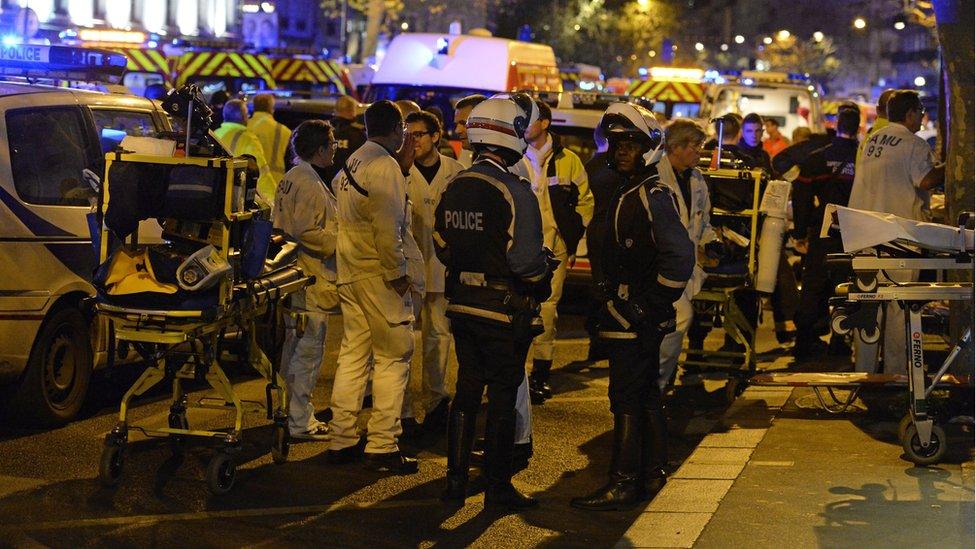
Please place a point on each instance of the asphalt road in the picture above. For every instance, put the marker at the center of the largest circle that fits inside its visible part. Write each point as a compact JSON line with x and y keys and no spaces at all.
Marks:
{"x":49,"y":494}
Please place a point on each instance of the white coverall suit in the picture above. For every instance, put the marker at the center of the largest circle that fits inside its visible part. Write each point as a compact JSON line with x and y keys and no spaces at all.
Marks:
{"x":305,"y":209}
{"x":377,"y":321}
{"x":887,"y":175}
{"x":435,"y":328}
{"x":697,"y":222}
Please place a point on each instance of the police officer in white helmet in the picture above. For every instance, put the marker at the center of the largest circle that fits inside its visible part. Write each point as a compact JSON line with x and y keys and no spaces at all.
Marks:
{"x":488,"y":233}
{"x":648,"y":260}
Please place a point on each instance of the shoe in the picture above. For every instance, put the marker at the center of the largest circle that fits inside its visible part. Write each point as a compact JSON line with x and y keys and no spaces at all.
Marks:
{"x":342,"y":456}
{"x":436,"y":419}
{"x":318,"y":432}
{"x":505,"y":495}
{"x":411,"y":430}
{"x":624,"y":489}
{"x":785,"y":336}
{"x":520,"y":457}
{"x":838,"y":347}
{"x":391,"y":462}
{"x":460,"y":436}
{"x":539,"y":389}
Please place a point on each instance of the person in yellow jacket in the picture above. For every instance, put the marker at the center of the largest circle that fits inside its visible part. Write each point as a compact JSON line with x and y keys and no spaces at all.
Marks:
{"x":560,"y":183}
{"x":240,"y":141}
{"x":273,"y":135}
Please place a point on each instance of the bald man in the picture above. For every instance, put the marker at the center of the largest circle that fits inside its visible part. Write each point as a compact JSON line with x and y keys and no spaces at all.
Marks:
{"x":273,"y":135}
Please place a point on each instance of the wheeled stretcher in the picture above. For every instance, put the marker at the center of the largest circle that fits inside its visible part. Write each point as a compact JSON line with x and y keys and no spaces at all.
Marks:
{"x":875,"y":243}
{"x":175,"y":296}
{"x":728,"y":298}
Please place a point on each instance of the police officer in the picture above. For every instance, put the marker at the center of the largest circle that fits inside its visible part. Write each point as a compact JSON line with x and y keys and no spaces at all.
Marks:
{"x":825,"y":178}
{"x":350,"y":134}
{"x":648,"y":260}
{"x":305,"y":210}
{"x":488,"y":232}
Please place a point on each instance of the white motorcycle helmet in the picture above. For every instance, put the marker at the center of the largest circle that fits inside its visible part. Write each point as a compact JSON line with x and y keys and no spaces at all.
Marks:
{"x":526,"y":103}
{"x":629,"y":121}
{"x":499,"y":125}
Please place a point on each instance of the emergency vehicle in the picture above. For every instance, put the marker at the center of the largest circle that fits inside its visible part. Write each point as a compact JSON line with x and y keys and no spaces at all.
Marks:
{"x":56,"y":138}
{"x":792,"y":99}
{"x":216,"y":65}
{"x":440,"y":69}
{"x":147,"y":63}
{"x":676,"y":92}
{"x":302,"y":71}
{"x":582,"y":77}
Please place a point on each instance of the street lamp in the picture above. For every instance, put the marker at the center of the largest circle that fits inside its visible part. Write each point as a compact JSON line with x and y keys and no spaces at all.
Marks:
{"x":919,"y":81}
{"x":739,"y":39}
{"x":643,"y":4}
{"x":724,"y":47}
{"x":404,"y":26}
{"x":652,"y":53}
{"x":767,"y":40}
{"x":783,"y":35}
{"x":818,"y":36}
{"x":860,"y":23}
{"x":699,"y":46}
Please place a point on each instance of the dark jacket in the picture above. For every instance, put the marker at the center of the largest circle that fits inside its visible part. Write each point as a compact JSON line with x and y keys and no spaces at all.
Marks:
{"x":827,"y":175}
{"x":349,"y":136}
{"x":755,"y":157}
{"x":603,"y":182}
{"x":488,"y":233}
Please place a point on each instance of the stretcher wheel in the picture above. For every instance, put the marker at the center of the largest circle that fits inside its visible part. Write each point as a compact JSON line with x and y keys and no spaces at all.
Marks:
{"x":279,"y":444}
{"x":924,"y":456}
{"x":221,"y":473}
{"x":733,"y":388}
{"x":903,"y":426}
{"x":110,"y":465}
{"x":837,"y":321}
{"x":869,"y":336}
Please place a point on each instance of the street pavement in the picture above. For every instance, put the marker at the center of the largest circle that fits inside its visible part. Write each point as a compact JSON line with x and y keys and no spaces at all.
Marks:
{"x":769,"y":471}
{"x":49,"y":494}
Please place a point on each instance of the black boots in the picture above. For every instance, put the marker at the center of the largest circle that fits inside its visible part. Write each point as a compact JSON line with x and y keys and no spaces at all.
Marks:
{"x":654,"y":453}
{"x":460,"y":436}
{"x":499,"y":449}
{"x":539,"y":389}
{"x":624,"y":490}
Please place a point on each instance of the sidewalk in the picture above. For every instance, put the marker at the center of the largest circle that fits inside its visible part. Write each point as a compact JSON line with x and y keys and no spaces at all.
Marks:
{"x":778,"y":473}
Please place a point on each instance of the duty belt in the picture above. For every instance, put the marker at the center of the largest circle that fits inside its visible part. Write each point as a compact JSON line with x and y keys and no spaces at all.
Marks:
{"x":479,"y":280}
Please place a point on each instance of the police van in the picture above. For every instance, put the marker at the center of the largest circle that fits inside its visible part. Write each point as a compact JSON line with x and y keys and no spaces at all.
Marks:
{"x":55,"y":142}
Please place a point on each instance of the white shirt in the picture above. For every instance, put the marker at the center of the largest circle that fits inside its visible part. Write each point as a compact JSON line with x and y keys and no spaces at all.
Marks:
{"x":424,"y":196}
{"x":888,"y":173}
{"x":371,"y":228}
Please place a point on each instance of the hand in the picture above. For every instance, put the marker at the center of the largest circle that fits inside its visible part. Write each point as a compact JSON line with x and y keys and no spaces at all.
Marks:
{"x":802,"y":246}
{"x":405,"y":155}
{"x":401,"y":285}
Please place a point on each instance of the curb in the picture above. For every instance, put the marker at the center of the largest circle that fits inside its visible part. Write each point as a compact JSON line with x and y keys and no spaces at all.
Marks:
{"x":678,"y":515}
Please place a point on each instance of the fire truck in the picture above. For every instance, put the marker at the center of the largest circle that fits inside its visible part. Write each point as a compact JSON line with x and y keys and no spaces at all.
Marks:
{"x":676,"y":92}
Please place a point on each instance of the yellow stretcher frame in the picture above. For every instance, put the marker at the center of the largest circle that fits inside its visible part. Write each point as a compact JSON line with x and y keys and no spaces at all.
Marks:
{"x":195,"y":335}
{"x":734,"y":321}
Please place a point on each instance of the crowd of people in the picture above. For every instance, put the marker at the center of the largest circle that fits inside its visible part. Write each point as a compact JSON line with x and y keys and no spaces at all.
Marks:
{"x":473,"y":252}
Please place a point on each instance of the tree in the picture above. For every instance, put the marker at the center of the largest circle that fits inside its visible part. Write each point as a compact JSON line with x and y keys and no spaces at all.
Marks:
{"x":788,"y":54}
{"x":379,"y":14}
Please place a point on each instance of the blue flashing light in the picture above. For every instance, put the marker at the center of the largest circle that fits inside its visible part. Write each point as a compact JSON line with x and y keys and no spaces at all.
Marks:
{"x":61,"y":62}
{"x":442,"y":45}
{"x":10,"y":39}
{"x":748,"y":81}
{"x":642,"y":71}
{"x":152,"y":44}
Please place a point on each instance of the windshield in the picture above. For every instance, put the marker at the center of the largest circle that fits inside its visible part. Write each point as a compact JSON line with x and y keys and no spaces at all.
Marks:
{"x":442,"y":97}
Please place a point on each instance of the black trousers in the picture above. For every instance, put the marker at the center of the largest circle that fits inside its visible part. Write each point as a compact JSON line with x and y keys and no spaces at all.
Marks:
{"x":819,"y":281}
{"x":634,"y":369}
{"x":488,"y":356}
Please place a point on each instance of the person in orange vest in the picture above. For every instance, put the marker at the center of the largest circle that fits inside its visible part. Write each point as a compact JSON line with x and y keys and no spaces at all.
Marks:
{"x":775,"y":140}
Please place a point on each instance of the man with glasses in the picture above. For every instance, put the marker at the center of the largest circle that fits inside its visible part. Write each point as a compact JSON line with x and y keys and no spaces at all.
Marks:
{"x":683,"y":142}
{"x":895,"y":174}
{"x":429,"y":176}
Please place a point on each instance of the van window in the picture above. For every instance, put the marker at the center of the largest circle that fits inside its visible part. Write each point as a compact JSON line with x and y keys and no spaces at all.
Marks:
{"x":114,"y":125}
{"x":47,"y":155}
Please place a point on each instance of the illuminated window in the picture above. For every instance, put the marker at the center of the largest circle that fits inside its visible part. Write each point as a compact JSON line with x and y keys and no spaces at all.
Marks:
{"x":154,"y":16}
{"x":186,"y":16}
{"x":43,"y":8}
{"x":81,"y":12}
{"x":118,"y":12}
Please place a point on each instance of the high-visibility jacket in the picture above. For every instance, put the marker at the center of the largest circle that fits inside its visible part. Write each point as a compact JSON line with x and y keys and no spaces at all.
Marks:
{"x":274,"y":137}
{"x":240,"y":141}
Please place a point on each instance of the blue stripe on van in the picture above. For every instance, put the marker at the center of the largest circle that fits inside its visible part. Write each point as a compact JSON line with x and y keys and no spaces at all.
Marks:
{"x":35,"y":223}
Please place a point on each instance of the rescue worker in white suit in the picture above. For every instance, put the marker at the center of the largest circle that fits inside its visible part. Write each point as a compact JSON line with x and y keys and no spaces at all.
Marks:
{"x":561,"y":185}
{"x":683,"y":141}
{"x":895,"y":174}
{"x":374,"y":293}
{"x":428,"y":178}
{"x":305,"y":210}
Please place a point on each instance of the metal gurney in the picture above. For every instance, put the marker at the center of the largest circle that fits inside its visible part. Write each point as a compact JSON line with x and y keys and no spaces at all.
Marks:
{"x":876,"y":243}
{"x":176,"y":317}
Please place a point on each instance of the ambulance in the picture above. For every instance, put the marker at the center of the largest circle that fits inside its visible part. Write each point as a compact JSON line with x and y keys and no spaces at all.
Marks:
{"x":146,"y":62}
{"x":440,"y":69}
{"x":309,"y":75}
{"x":217,"y":65}
{"x":676,"y":92}
{"x":792,"y":99}
{"x":55,"y":141}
